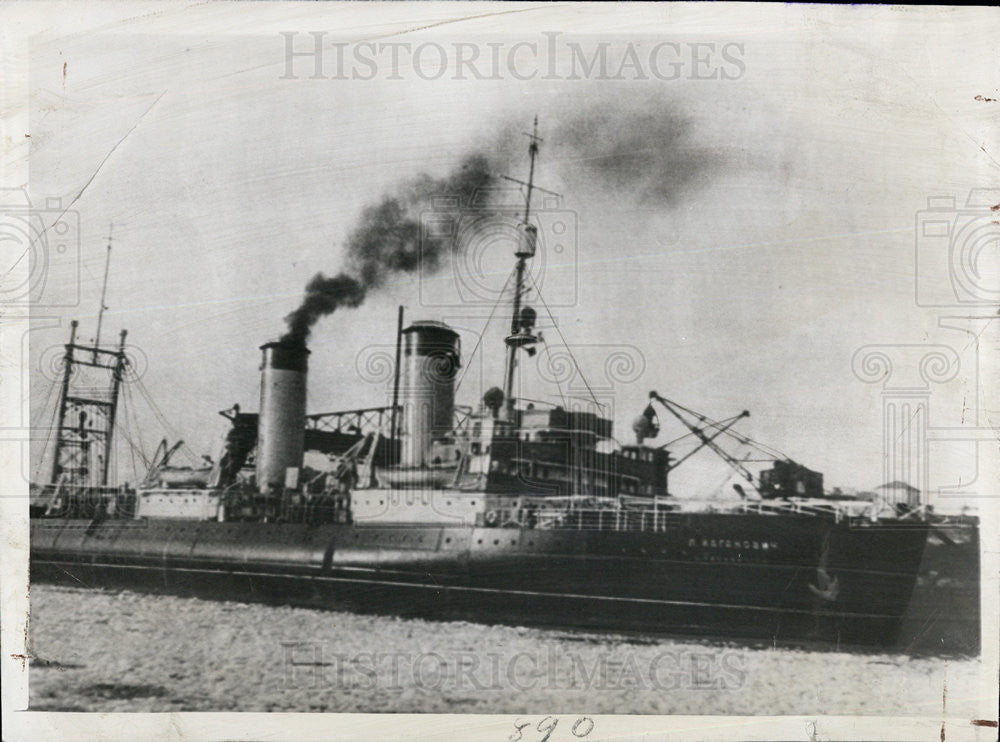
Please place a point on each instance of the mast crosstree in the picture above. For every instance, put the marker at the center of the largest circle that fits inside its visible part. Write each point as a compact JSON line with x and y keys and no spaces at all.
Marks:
{"x":86,"y":420}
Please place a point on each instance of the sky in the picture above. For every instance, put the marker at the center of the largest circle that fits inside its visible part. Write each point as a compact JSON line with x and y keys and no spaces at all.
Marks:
{"x":739,"y":195}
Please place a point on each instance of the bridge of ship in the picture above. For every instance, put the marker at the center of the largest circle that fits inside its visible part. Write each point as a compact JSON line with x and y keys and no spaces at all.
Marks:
{"x":548,"y":451}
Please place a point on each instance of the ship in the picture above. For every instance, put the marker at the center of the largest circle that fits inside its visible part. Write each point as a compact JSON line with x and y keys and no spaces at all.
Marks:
{"x":509,"y":511}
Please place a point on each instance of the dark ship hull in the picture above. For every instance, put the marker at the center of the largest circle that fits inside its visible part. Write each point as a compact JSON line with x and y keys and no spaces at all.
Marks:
{"x":808,"y":578}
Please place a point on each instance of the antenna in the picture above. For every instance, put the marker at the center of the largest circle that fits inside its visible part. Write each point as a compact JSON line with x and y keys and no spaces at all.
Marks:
{"x":104,"y":291}
{"x":532,"y":154}
{"x":535,"y":140}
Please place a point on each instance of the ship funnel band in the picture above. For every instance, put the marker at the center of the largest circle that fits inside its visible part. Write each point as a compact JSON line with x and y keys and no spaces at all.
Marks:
{"x":427,"y":338}
{"x":285,"y":355}
{"x":438,"y":345}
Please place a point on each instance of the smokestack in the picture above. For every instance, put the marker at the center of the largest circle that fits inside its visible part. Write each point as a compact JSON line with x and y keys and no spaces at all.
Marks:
{"x":431,"y":359}
{"x":282,"y":422}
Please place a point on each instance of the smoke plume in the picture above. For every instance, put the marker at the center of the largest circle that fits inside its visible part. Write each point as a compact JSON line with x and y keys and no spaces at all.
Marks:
{"x":323,"y":296}
{"x":650,"y":151}
{"x":647,"y":150}
{"x":388,"y":240}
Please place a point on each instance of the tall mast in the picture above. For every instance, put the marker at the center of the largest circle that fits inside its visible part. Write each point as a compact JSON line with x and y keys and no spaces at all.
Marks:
{"x":104,"y":292}
{"x":525,"y":249}
{"x":86,"y":415}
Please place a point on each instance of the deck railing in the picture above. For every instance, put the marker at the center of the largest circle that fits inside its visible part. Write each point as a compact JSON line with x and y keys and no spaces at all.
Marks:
{"x":67,"y":500}
{"x":658,"y":518}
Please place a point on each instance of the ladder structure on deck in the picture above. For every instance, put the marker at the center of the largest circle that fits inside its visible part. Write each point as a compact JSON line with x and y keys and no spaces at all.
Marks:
{"x":86,"y":417}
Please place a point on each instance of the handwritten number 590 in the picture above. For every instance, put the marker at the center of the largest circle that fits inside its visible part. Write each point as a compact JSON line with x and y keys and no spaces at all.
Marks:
{"x":582,"y":727}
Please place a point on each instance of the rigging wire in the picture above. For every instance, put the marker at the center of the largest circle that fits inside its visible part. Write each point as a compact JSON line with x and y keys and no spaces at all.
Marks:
{"x":482,"y":333}
{"x":162,"y":419}
{"x":563,"y":338}
{"x":773,"y":453}
{"x":48,"y":438}
{"x":135,"y":469}
{"x":548,"y":349}
{"x":132,"y":446}
{"x":45,"y":405}
{"x":123,"y":426}
{"x":133,"y":408}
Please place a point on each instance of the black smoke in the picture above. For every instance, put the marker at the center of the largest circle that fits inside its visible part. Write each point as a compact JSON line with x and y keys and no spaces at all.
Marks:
{"x":323,"y":296}
{"x":651,"y":150}
{"x":389,"y":240}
